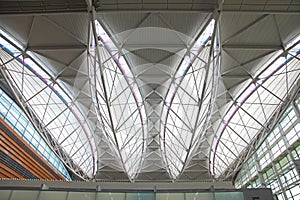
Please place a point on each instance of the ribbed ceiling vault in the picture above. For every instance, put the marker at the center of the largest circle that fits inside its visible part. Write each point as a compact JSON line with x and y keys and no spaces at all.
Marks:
{"x":156,"y":82}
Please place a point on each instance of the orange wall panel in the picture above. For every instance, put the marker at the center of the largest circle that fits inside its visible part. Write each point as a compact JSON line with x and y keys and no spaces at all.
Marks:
{"x":36,"y":164}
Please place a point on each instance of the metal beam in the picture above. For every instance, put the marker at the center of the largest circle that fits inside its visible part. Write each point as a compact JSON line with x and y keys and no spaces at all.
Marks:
{"x":251,"y":47}
{"x":42,"y":12}
{"x":56,"y":47}
{"x":106,"y":92}
{"x":248,"y":26}
{"x":134,"y":29}
{"x":202,"y":97}
{"x":116,"y":186}
{"x":178,"y":11}
{"x":261,"y":12}
{"x":154,"y":46}
{"x":63,"y":29}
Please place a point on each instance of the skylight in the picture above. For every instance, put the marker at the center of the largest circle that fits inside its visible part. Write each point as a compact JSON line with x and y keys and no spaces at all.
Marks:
{"x":187,"y":104}
{"x":125,"y":129}
{"x":18,"y":120}
{"x":52,"y":106}
{"x":253,"y":108}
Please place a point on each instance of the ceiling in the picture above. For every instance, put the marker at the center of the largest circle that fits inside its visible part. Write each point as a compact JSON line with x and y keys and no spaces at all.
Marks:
{"x":160,"y":90}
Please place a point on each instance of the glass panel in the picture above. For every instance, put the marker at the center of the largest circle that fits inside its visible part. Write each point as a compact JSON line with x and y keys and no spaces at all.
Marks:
{"x":28,"y":133}
{"x":278,"y":168}
{"x":175,"y":196}
{"x":23,"y":194}
{"x":140,"y":196}
{"x":83,"y":196}
{"x":5,"y":194}
{"x":256,"y":105}
{"x":125,"y":129}
{"x":50,"y":102}
{"x":111,"y":196}
{"x":132,"y":195}
{"x":185,"y":121}
{"x":51,"y":195}
{"x":229,"y":196}
{"x":199,"y":196}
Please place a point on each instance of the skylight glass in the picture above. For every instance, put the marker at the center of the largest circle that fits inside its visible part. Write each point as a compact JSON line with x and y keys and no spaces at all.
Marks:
{"x":12,"y":114}
{"x":121,"y":99}
{"x":253,"y":108}
{"x":52,"y":106}
{"x":187,"y":104}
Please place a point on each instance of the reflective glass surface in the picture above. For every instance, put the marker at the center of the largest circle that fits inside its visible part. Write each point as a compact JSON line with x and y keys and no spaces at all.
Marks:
{"x":251,"y":111}
{"x":48,"y":101}
{"x":17,"y":119}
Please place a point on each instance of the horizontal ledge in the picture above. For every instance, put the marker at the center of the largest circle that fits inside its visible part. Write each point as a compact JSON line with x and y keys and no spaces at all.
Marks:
{"x":282,"y":12}
{"x":196,"y":11}
{"x":115,"y":186}
{"x":252,"y":47}
{"x":39,"y":12}
{"x":54,"y":47}
{"x":154,"y":46}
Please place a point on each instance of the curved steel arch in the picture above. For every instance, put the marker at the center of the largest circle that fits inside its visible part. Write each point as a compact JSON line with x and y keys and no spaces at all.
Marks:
{"x":49,"y":104}
{"x":268,"y":101}
{"x":121,"y":111}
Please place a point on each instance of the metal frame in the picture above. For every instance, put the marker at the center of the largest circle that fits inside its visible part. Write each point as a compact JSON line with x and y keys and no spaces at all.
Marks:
{"x":26,"y":107}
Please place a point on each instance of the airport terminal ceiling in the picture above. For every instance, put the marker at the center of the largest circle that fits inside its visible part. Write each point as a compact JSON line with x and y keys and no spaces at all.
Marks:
{"x":144,"y":91}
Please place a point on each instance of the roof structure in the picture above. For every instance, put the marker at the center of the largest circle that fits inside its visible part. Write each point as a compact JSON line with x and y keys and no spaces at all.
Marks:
{"x":134,"y":90}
